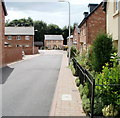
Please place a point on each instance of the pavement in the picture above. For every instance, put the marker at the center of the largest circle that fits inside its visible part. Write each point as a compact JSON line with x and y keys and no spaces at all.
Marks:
{"x":28,"y":86}
{"x":67,"y":101}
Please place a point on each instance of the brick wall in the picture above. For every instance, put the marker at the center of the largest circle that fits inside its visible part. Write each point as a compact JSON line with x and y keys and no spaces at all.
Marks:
{"x":29,"y":50}
{"x":76,"y":38}
{"x":2,"y":24}
{"x":23,"y":41}
{"x":96,"y":24}
{"x":12,"y":54}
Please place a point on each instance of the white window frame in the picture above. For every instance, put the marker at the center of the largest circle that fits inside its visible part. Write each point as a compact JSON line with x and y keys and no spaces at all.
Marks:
{"x":116,"y":5}
{"x":9,"y":38}
{"x":27,"y":45}
{"x":18,"y":37}
{"x":27,"y":37}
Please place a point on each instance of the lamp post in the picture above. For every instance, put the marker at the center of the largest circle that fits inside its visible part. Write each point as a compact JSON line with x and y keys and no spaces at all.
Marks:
{"x":34,"y":40}
{"x":69,"y":30}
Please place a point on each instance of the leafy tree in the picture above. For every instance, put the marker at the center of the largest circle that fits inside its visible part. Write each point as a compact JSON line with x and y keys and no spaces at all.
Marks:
{"x":41,"y":28}
{"x":20,"y":22}
{"x":53,"y":29}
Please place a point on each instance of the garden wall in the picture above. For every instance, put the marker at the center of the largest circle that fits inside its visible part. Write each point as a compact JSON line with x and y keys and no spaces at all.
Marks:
{"x":29,"y":50}
{"x":12,"y":54}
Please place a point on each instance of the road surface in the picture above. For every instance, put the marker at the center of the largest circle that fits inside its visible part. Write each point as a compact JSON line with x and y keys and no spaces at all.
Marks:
{"x":28,"y":86}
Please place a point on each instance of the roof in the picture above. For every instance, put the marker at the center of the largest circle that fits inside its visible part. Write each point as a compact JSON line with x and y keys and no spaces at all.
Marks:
{"x":77,"y":29}
{"x":54,"y":37}
{"x":19,"y":30}
{"x":4,"y":8}
{"x":38,"y":43}
{"x":85,"y":19}
{"x":104,"y":5}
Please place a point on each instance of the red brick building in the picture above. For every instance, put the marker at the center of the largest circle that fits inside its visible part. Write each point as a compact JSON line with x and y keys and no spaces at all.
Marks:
{"x":76,"y":37}
{"x":92,"y":24}
{"x":19,"y":36}
{"x":3,"y":13}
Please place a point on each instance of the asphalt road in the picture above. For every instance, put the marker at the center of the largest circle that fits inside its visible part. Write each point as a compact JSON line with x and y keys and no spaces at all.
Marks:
{"x":29,"y":86}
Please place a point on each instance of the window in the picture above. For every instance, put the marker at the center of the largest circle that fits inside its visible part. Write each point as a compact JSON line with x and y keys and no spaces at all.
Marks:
{"x":27,"y":38}
{"x":116,"y":5}
{"x":9,"y":37}
{"x":27,"y":46}
{"x":18,"y":37}
{"x":18,"y":45}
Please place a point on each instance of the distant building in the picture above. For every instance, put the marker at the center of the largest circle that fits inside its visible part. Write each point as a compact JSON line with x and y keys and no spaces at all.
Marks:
{"x":53,"y":41}
{"x":112,"y":9}
{"x":71,"y":40}
{"x":3,"y":13}
{"x":19,"y":36}
{"x":94,"y":22}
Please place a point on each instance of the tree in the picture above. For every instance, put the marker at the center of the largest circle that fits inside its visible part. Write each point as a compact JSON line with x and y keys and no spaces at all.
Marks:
{"x":20,"y":22}
{"x":53,"y":29}
{"x":102,"y":48}
{"x":42,"y":30}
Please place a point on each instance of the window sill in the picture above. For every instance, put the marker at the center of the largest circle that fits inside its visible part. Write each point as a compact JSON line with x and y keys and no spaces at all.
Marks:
{"x":116,"y":13}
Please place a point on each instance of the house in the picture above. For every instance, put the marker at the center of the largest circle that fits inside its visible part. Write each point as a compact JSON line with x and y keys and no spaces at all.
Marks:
{"x":53,"y":41}
{"x":3,"y":13}
{"x":112,"y":9}
{"x":76,"y":37}
{"x":19,"y":36}
{"x":94,"y":22}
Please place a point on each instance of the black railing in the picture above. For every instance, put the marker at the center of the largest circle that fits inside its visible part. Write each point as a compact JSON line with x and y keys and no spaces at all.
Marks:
{"x":86,"y":77}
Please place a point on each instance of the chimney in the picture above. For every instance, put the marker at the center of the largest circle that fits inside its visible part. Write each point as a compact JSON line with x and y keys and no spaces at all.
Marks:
{"x":92,"y":7}
{"x":85,"y":14}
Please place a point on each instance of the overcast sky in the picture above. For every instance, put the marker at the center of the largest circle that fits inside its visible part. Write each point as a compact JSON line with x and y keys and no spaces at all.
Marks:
{"x":50,"y":11}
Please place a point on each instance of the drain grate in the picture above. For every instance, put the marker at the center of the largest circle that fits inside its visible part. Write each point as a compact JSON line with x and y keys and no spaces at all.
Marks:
{"x":66,"y":97}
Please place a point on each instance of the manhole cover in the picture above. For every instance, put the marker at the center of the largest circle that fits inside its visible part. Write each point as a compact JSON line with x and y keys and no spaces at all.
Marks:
{"x":66,"y":97}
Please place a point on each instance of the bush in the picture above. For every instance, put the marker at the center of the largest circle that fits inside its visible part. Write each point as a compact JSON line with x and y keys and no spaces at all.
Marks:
{"x":73,"y":52}
{"x":81,"y":90}
{"x":102,"y":48}
{"x":86,"y":104}
{"x":84,"y":90}
{"x":109,"y":110}
{"x":72,"y":68}
{"x":77,"y":81}
{"x":98,"y":105}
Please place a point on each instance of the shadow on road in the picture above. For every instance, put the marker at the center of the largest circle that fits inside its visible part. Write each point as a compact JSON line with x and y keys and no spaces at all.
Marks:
{"x":5,"y":73}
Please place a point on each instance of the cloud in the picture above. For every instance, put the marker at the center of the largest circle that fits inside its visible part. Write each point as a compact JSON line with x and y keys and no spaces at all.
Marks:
{"x":50,"y":12}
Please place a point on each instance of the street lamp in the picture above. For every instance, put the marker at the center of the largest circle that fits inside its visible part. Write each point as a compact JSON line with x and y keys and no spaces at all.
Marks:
{"x":33,"y":40}
{"x":69,"y":30}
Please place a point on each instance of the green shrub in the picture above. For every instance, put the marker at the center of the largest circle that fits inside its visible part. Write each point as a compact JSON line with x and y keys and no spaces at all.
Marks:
{"x":84,"y":90}
{"x":81,"y":90}
{"x":77,"y":81}
{"x":86,"y":104}
{"x":102,"y":48}
{"x":109,"y":110}
{"x":98,"y":105}
{"x":109,"y":76}
{"x":73,"y":52}
{"x":72,"y":68}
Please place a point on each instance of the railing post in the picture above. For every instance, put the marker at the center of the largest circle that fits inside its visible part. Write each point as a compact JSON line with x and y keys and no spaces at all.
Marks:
{"x":92,"y":99}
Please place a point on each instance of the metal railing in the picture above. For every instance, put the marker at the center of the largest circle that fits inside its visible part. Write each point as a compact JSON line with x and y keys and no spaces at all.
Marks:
{"x":86,"y":77}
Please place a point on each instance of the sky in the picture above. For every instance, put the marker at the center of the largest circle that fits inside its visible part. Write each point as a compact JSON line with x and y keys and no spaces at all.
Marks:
{"x":49,"y":11}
